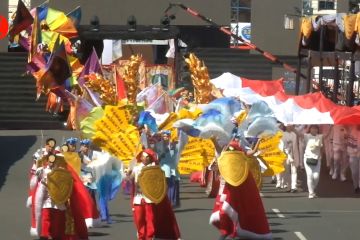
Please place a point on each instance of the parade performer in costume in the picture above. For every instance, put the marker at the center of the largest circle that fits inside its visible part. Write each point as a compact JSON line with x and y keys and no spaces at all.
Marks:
{"x":87,"y":174}
{"x":312,"y":158}
{"x":57,"y":210}
{"x":292,"y":162}
{"x":339,"y":150}
{"x":38,"y":157}
{"x":353,"y":150}
{"x":168,"y":155}
{"x":52,"y":213}
{"x":152,"y":220}
{"x":238,"y":210}
{"x":106,"y":178}
{"x":71,"y":142}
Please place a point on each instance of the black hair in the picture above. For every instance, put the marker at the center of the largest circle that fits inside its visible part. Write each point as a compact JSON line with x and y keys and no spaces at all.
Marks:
{"x":315,"y":126}
{"x":50,"y":139}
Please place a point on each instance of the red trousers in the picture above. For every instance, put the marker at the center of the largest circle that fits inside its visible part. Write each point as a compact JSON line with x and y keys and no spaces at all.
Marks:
{"x":144,"y":220}
{"x":53,"y":223}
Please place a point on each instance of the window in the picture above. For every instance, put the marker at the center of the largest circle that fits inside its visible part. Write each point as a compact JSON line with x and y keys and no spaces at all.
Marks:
{"x":326,"y":5}
{"x":240,"y":10}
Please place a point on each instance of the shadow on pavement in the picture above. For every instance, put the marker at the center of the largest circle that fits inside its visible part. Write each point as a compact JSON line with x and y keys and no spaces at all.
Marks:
{"x":13,"y":149}
{"x":300,"y":214}
{"x":192,"y":210}
{"x":98,"y":234}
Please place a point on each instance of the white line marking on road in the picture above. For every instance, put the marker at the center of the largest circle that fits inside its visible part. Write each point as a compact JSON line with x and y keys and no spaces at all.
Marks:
{"x":261,"y":194}
{"x":278,"y":213}
{"x":300,"y":235}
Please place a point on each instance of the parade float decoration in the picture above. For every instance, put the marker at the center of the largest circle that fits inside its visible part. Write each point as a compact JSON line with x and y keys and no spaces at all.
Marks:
{"x":130,"y":78}
{"x":200,"y":79}
{"x":112,"y":122}
{"x":103,"y":87}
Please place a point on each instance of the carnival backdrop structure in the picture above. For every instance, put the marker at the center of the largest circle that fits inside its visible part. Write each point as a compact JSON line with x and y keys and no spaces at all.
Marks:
{"x":150,"y":133}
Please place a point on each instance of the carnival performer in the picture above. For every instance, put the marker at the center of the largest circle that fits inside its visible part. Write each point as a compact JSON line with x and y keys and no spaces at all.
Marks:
{"x":49,"y":148}
{"x":353,"y":150}
{"x":151,"y":220}
{"x":292,"y":162}
{"x":340,"y":154}
{"x":106,"y":177}
{"x":52,"y":215}
{"x":87,"y":174}
{"x":168,"y":153}
{"x":312,"y":158}
{"x":60,"y":215}
{"x":280,"y":177}
{"x":300,"y":131}
{"x":327,"y":131}
{"x":71,"y":142}
{"x":238,"y":210}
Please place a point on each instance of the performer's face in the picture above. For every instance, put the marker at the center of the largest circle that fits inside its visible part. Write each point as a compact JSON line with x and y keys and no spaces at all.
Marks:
{"x":51,"y":161}
{"x":145,"y":159}
{"x":166,"y":137}
{"x":72,"y":148}
{"x":314,"y":130}
{"x":50,"y":146}
{"x":84,"y":148}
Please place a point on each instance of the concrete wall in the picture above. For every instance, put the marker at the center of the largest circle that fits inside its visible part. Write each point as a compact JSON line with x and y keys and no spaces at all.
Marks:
{"x":342,"y":6}
{"x":4,"y":12}
{"x":146,"y":11}
{"x":267,"y":26}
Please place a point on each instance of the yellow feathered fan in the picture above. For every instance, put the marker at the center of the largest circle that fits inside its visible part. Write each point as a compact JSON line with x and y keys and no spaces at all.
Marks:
{"x":197,"y":154}
{"x":116,"y":135}
{"x":271,"y":155}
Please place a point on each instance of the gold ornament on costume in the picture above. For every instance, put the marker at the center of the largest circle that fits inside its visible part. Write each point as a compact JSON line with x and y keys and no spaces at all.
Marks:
{"x":233,"y":167}
{"x":153,"y":183}
{"x":200,"y":79}
{"x":104,"y":87}
{"x":255,"y":171}
{"x":60,"y":185}
{"x":130,"y":77}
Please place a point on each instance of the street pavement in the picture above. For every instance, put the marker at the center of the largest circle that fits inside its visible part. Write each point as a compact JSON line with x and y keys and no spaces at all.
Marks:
{"x":335,"y":214}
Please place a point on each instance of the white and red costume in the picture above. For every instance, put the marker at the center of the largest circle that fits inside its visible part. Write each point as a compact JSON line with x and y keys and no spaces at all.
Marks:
{"x":152,"y":220}
{"x":47,"y":218}
{"x":239,"y":211}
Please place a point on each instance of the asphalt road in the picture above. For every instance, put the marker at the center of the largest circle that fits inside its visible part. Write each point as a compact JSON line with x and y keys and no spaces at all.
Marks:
{"x":334,"y":215}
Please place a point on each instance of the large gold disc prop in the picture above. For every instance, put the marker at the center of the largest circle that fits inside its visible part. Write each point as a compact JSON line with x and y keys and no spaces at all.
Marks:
{"x":73,"y":159}
{"x":152,"y":182}
{"x":233,"y":167}
{"x":60,"y":185}
{"x":255,"y":171}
